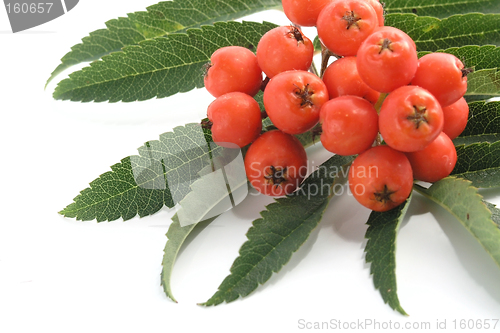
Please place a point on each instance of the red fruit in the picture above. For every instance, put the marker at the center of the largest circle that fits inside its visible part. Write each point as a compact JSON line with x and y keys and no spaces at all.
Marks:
{"x":436,"y":161}
{"x":283,"y":49}
{"x":381,"y":178}
{"x":410,"y":119}
{"x":304,"y":12}
{"x":344,"y":24}
{"x":276,"y":163}
{"x":443,"y":75}
{"x":293,"y":100}
{"x":342,"y":78}
{"x":456,"y":116}
{"x":387,"y":59}
{"x":236,"y":120}
{"x":233,"y":68}
{"x":349,"y":125}
{"x":379,"y":9}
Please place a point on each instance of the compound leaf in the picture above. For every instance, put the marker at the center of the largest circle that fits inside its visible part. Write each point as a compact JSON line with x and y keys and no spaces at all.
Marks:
{"x":157,"y":67}
{"x":164,"y":18}
{"x":285,"y":225}
{"x":381,"y":251}
{"x":463,"y":201}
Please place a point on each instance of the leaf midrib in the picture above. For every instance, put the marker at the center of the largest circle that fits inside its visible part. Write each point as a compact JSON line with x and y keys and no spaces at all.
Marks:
{"x":436,"y":5}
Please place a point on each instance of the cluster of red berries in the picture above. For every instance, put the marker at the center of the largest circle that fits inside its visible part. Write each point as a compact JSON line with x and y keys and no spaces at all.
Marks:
{"x":377,"y":90}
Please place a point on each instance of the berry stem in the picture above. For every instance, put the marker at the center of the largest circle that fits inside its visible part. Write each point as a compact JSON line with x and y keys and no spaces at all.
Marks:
{"x":313,"y":69}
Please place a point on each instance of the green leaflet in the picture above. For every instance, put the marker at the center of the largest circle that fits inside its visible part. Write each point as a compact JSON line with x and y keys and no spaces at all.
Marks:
{"x":432,"y":34}
{"x":285,"y":225}
{"x":138,"y":184}
{"x":495,"y":212}
{"x":158,"y":67}
{"x":479,"y":163}
{"x":461,"y":199}
{"x":381,"y":251}
{"x":176,"y":236}
{"x":159,"y":20}
{"x":483,"y":124}
{"x":441,"y":8}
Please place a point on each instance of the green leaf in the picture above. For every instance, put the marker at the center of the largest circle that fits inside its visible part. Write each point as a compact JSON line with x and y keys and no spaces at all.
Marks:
{"x":495,"y":212}
{"x":463,"y":201}
{"x":164,"y":18}
{"x":176,"y":236}
{"x":141,"y":185}
{"x":159,"y":67}
{"x":483,"y":124}
{"x":381,"y":251}
{"x":441,"y":8}
{"x":432,"y":34}
{"x":285,"y":225}
{"x":484,"y":118}
{"x":479,"y":163}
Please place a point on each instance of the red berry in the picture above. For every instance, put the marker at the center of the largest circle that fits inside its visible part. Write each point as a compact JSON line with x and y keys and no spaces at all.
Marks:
{"x":387,"y":59}
{"x":342,"y":78}
{"x":293,"y":100}
{"x":349,"y":125}
{"x":436,"y":161}
{"x":233,"y":68}
{"x":379,"y":9}
{"x":381,"y":178}
{"x":455,"y":118}
{"x":443,"y":75}
{"x":304,"y":12}
{"x":276,"y":163}
{"x":410,"y":119}
{"x":236,"y":120}
{"x":344,"y":24}
{"x":284,"y":48}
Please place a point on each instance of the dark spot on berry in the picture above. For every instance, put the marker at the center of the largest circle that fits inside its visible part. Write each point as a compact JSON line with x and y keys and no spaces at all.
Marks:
{"x":276,"y":176}
{"x":351,"y":19}
{"x":384,"y":196}
{"x":205,"y":68}
{"x":466,"y":71}
{"x":206,"y":124}
{"x":386,"y":45}
{"x":305,"y":96}
{"x":419,"y":116}
{"x":295,"y":32}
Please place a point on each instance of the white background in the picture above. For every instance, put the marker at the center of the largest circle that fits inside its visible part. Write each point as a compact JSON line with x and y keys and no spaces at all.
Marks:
{"x":62,"y":275}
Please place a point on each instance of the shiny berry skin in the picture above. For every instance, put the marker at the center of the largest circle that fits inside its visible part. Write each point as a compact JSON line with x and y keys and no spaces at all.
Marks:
{"x":283,"y":49}
{"x":235,"y":118}
{"x":410,"y":118}
{"x":349,"y":125}
{"x":231,"y":69}
{"x":293,"y":101}
{"x":434,"y":162}
{"x":342,"y":78}
{"x":387,"y":59}
{"x":304,"y":12}
{"x":276,"y":163}
{"x":379,"y":10}
{"x":443,"y":75}
{"x":456,"y":116}
{"x":381,"y":178}
{"x":343,"y":25}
